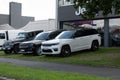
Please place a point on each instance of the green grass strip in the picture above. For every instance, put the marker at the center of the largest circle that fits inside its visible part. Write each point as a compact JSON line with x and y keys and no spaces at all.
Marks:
{"x":108,"y":57}
{"x":23,"y":73}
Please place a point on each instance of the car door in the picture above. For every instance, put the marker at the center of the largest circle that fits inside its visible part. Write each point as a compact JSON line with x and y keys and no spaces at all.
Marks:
{"x":81,"y":40}
{"x":2,"y":39}
{"x":86,"y":39}
{"x":78,"y":41}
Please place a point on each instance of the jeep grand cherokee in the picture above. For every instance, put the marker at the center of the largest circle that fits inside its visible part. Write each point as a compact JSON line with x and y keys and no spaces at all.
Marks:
{"x":71,"y":41}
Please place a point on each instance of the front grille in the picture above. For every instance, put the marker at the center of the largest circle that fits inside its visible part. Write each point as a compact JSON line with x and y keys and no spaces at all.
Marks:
{"x":46,"y":45}
{"x":26,"y":51}
{"x":24,"y":45}
{"x":6,"y":44}
{"x":48,"y":50}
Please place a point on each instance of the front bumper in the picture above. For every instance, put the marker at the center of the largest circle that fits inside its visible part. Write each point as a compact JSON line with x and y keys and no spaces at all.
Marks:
{"x":50,"y":50}
{"x":0,"y":48}
{"x":7,"y":48}
{"x":26,"y":50}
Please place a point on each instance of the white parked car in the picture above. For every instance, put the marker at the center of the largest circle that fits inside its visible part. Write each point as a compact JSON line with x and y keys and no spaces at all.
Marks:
{"x":71,"y":41}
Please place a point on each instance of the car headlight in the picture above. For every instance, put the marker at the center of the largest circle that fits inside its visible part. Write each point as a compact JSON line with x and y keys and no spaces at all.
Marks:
{"x":53,"y":44}
{"x":11,"y":43}
{"x":31,"y":45}
{"x":8,"y":44}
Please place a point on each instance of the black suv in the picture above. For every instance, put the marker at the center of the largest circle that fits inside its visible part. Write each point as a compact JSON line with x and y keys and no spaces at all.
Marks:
{"x":34,"y":46}
{"x":13,"y":46}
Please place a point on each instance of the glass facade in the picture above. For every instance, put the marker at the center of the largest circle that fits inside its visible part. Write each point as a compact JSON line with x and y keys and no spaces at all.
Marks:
{"x":109,"y":29}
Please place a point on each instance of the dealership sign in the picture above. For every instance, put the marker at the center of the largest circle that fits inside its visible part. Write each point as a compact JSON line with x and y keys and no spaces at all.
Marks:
{"x":80,"y":11}
{"x":69,"y":13}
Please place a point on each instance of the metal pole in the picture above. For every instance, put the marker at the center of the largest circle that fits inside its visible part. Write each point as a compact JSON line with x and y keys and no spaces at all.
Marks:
{"x":57,"y":11}
{"x":106,"y":32}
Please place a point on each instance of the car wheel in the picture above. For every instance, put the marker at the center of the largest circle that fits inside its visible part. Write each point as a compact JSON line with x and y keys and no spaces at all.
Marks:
{"x":8,"y":52}
{"x":95,"y":45}
{"x":38,"y":51}
{"x":16,"y":49}
{"x":65,"y":51}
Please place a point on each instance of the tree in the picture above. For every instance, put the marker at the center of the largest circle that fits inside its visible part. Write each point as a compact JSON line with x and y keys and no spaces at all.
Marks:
{"x":93,"y":7}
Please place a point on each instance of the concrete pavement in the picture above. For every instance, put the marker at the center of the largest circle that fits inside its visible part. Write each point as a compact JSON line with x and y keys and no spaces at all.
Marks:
{"x":96,"y":71}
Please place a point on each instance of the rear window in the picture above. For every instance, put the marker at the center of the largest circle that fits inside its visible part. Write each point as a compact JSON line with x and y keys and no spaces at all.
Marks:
{"x":90,"y":32}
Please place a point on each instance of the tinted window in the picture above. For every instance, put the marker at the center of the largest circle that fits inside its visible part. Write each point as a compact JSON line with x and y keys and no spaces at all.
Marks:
{"x":21,"y":35}
{"x":91,"y":32}
{"x":41,"y":36}
{"x":66,"y":35}
{"x":28,"y":35}
{"x":36,"y":32}
{"x":78,"y":34}
{"x":2,"y":36}
{"x":31,"y":34}
{"x":87,"y":32}
{"x":53,"y":34}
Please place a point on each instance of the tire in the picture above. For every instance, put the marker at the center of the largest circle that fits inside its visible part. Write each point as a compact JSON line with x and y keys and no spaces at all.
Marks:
{"x":95,"y":46}
{"x":16,"y":49}
{"x":38,"y":51}
{"x":8,"y":51}
{"x":65,"y":51}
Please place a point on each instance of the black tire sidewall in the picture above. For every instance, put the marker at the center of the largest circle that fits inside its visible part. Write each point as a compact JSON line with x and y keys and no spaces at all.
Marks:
{"x":63,"y":53}
{"x":38,"y":51}
{"x":95,"y":45}
{"x":16,"y":49}
{"x":8,"y":52}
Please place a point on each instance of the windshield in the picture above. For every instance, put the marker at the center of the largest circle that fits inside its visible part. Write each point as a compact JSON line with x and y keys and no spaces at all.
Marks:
{"x":41,"y":36}
{"x":66,"y":35}
{"x":53,"y":34}
{"x":21,"y":35}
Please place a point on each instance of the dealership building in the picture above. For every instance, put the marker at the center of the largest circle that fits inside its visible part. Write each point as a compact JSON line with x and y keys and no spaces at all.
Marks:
{"x":15,"y":19}
{"x":69,"y":18}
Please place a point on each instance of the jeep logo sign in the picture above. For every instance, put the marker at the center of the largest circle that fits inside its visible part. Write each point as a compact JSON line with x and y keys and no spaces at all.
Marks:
{"x":80,"y":11}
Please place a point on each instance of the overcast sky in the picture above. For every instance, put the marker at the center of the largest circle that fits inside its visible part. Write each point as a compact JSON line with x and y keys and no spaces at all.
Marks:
{"x":40,"y":9}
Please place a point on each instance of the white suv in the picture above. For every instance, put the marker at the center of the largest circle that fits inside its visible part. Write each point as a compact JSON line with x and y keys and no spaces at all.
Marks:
{"x":71,"y":41}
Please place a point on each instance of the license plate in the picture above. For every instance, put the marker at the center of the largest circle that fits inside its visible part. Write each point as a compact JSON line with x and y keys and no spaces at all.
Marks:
{"x":45,"y":48}
{"x":22,"y":50}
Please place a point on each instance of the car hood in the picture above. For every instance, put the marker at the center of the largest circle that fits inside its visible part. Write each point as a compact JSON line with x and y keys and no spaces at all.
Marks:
{"x":56,"y":41}
{"x":33,"y":41}
{"x":13,"y":41}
